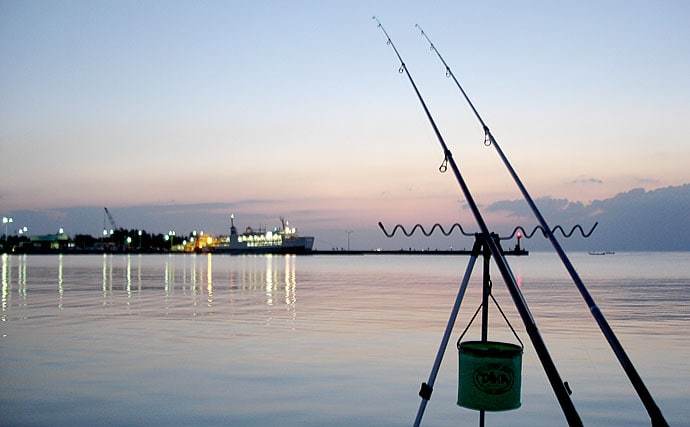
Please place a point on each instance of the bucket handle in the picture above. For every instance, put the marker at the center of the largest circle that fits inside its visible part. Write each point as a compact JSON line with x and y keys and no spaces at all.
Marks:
{"x":522,"y":346}
{"x":474,"y":316}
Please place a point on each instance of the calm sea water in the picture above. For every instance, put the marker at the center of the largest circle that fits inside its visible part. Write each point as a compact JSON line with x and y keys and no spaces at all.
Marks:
{"x":321,"y":340}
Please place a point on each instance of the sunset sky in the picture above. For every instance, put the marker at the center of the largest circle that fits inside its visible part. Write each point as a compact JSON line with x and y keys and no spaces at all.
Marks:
{"x":297,"y":108}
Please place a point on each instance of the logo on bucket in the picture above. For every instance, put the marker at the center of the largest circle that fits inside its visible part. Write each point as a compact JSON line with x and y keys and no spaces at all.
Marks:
{"x":493,"y":378}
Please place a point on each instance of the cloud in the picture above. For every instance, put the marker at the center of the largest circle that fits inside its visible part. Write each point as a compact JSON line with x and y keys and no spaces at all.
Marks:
{"x":586,"y":181}
{"x":520,"y":209}
{"x":633,"y":220}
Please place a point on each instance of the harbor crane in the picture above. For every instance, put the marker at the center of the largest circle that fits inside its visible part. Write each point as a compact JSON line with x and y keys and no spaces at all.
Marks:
{"x":111,"y":220}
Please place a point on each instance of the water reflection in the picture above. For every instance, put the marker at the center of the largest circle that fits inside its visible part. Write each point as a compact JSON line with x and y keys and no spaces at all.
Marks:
{"x":193,"y":272}
{"x":129,"y":277}
{"x":22,"y":276}
{"x":5,"y":283}
{"x":61,"y":290}
{"x":209,"y":279}
{"x":291,"y":286}
{"x":104,"y":286}
{"x":290,"y":280}
{"x":269,"y":280}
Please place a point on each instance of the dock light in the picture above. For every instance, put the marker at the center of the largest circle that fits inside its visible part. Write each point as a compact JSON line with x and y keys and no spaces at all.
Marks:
{"x":139,"y":233}
{"x":202,"y":232}
{"x":170,"y":236}
{"x":209,"y":240}
{"x":194,"y":233}
{"x":21,"y":231}
{"x":129,"y":240}
{"x":105,"y":232}
{"x":184,"y":242}
{"x":192,"y":239}
{"x":7,"y":220}
{"x":112,"y":231}
{"x":166,"y":237}
{"x":61,"y":230}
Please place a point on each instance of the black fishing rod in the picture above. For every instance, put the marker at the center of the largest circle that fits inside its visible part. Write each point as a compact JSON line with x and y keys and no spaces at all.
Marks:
{"x":653,"y":410}
{"x":552,"y":374}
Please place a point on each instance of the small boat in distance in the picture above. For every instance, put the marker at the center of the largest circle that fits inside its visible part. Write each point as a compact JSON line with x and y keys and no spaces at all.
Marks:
{"x":601,"y":252}
{"x":280,"y":240}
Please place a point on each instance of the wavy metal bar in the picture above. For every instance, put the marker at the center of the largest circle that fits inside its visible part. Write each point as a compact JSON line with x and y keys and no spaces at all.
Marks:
{"x":565,"y":234}
{"x":525,"y":233}
{"x":426,"y":233}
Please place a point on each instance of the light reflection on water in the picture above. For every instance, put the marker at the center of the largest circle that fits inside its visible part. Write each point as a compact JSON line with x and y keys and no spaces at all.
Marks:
{"x":122,"y":337}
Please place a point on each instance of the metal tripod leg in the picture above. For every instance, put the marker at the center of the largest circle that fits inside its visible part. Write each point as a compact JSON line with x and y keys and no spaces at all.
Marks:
{"x":427,"y":387}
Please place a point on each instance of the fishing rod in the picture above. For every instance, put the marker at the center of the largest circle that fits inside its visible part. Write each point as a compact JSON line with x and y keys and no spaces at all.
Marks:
{"x":552,"y":374}
{"x":653,"y":410}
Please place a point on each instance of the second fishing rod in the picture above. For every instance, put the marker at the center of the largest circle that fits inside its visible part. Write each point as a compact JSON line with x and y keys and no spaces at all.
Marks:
{"x":552,"y":374}
{"x":650,"y":405}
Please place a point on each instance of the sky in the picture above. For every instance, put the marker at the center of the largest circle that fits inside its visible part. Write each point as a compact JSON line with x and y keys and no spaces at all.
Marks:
{"x":297,"y":108}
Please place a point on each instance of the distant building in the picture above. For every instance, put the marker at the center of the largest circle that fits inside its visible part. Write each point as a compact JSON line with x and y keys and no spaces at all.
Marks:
{"x":51,"y":241}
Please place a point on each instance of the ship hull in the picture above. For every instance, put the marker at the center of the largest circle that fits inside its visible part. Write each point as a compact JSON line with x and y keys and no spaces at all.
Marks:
{"x":299,"y":245}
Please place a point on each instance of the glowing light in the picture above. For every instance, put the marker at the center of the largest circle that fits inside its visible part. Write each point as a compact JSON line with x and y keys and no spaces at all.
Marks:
{"x":209,"y":240}
{"x":129,"y":240}
{"x":61,"y":230}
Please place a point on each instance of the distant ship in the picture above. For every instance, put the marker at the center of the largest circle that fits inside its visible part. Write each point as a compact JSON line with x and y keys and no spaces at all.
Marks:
{"x":283,"y":240}
{"x":601,"y":253}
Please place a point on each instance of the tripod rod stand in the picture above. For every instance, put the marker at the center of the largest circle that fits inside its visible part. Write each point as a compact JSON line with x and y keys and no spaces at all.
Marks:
{"x":480,"y":248}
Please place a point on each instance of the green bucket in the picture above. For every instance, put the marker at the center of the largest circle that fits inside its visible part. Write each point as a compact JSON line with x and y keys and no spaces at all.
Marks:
{"x":489,"y":375}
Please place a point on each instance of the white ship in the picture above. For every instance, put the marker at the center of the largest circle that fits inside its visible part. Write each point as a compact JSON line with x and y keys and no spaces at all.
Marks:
{"x":280,"y":240}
